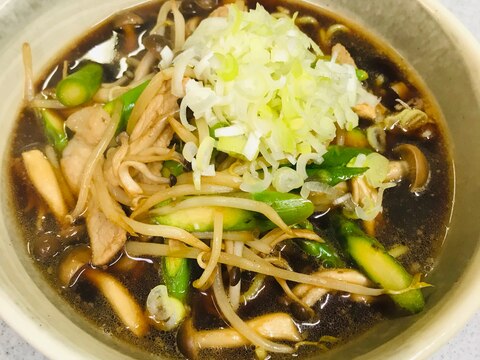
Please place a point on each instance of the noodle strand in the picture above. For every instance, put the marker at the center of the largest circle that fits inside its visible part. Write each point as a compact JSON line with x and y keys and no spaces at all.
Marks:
{"x":93,"y":160}
{"x":228,"y":202}
{"x":29,"y":88}
{"x":238,"y":324}
{"x":134,"y":248}
{"x":216,"y":246}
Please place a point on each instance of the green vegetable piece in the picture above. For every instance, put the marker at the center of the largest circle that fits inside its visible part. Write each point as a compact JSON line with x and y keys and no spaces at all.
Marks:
{"x":356,"y":138}
{"x":292,"y":208}
{"x":54,"y":127}
{"x":171,"y":167}
{"x":372,"y":258}
{"x":128,"y":100}
{"x":333,"y":169}
{"x":334,"y":175}
{"x":201,"y":219}
{"x":176,"y":275}
{"x":337,"y":155}
{"x":304,"y":225}
{"x":80,"y":86}
{"x":323,"y":252}
{"x":362,"y":75}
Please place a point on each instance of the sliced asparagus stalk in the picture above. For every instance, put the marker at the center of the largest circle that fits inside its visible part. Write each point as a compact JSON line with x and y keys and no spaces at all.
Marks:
{"x":80,"y":86}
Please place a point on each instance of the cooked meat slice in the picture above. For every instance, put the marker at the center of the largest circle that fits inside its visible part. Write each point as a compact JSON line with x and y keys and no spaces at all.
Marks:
{"x":343,"y":56}
{"x":73,"y":162}
{"x":106,"y":238}
{"x":154,"y":118}
{"x":365,"y":111}
{"x":88,"y":124}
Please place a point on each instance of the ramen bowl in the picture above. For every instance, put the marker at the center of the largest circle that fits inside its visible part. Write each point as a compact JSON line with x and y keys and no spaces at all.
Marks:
{"x":443,"y":54}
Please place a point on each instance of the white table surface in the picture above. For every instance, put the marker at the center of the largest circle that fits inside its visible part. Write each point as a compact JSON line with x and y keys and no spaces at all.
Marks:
{"x":464,"y":346}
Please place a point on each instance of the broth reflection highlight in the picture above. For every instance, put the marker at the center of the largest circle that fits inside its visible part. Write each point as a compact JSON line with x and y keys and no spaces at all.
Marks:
{"x":206,"y":178}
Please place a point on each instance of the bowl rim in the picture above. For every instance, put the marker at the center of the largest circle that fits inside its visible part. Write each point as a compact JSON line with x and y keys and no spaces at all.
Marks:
{"x":465,"y":304}
{"x":427,"y":342}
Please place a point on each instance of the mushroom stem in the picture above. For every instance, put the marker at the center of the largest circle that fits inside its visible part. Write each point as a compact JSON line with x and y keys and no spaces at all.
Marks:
{"x":128,"y":22}
{"x":396,"y":170}
{"x":362,"y":190}
{"x":42,"y":175}
{"x":191,"y":24}
{"x":278,"y":326}
{"x":275,"y":326}
{"x":130,"y":38}
{"x":311,"y":294}
{"x":120,"y":299}
{"x":314,"y":295}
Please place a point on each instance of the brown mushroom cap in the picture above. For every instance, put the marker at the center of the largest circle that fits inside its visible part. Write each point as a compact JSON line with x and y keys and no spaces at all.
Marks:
{"x":401,"y":89}
{"x":73,"y":261}
{"x":207,"y":4}
{"x":418,"y":167}
{"x":155,"y":43}
{"x":127,"y":19}
{"x":186,"y":340}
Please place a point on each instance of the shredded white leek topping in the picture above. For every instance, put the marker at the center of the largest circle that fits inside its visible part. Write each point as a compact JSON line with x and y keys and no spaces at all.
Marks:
{"x":265,"y":90}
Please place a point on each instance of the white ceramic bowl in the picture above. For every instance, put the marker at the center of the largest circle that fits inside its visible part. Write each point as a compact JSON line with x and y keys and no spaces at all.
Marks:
{"x":446,"y":57}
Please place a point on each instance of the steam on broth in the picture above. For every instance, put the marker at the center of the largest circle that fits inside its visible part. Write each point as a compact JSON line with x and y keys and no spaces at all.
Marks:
{"x":204,"y":180}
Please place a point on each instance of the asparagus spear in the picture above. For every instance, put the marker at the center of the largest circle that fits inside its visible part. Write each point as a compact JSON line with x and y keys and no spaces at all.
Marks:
{"x":291,"y":208}
{"x":54,"y":129}
{"x":334,"y":169}
{"x":80,"y":86}
{"x":176,"y":275}
{"x":334,"y":175}
{"x":372,"y":258}
{"x":323,"y":252}
{"x":128,"y":100}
